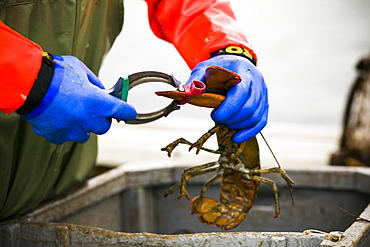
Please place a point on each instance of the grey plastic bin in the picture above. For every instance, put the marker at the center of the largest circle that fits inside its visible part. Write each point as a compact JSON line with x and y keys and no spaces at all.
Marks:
{"x":125,"y":207}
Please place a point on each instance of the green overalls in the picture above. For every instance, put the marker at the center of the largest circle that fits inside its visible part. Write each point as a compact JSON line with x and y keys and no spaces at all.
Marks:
{"x":33,"y":170}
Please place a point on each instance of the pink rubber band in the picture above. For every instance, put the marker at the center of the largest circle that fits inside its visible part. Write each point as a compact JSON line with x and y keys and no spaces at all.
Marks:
{"x":195,"y":88}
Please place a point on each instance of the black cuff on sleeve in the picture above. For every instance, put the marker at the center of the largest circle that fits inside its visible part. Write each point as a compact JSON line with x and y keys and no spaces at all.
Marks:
{"x":235,"y":50}
{"x":40,"y":87}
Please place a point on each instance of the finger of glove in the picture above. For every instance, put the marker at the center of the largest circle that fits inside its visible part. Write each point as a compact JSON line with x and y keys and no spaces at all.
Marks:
{"x":74,"y":132}
{"x":124,"y":111}
{"x":78,"y":65}
{"x":243,"y":120}
{"x":251,"y":121}
{"x":234,"y":101}
{"x":246,"y":134}
{"x":97,"y":124}
{"x":45,"y":130}
{"x":105,"y":107}
{"x":92,"y":77}
{"x":62,"y":135}
{"x":119,"y":109}
{"x":197,"y":74}
{"x":50,"y":136}
{"x":55,"y":140}
{"x":104,"y":126}
{"x":250,"y":107}
{"x":79,"y":135}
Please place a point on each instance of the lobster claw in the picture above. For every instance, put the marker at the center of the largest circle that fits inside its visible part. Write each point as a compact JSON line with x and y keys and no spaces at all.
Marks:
{"x":217,"y":80}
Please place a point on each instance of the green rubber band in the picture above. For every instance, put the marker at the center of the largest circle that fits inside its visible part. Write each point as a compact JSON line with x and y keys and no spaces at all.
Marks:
{"x":125,"y":88}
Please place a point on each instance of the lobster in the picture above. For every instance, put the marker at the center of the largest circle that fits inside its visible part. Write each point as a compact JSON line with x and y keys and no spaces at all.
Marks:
{"x":238,"y":164}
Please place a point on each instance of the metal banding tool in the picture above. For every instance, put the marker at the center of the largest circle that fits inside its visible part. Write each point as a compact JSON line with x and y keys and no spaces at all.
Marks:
{"x":122,"y":86}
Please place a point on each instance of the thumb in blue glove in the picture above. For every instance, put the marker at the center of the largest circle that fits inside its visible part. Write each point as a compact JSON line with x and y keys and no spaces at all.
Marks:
{"x":75,"y":105}
{"x":246,"y":105}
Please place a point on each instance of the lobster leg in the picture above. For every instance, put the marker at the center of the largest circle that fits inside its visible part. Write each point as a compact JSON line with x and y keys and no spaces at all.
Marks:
{"x":239,"y":151}
{"x":282,"y":173}
{"x":198,"y":199}
{"x":274,"y":189}
{"x":170,"y":147}
{"x":199,"y":143}
{"x":209,"y":182}
{"x":187,"y":174}
{"x":248,"y":175}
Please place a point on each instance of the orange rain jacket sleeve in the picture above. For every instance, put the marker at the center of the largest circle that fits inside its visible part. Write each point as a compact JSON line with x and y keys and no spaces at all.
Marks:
{"x":195,"y":27}
{"x":20,"y":62}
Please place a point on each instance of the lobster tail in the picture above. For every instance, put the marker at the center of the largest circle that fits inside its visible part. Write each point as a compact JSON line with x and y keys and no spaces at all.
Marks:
{"x":211,"y":212}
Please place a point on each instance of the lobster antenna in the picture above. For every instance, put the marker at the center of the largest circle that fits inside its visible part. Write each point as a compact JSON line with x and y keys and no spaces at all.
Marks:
{"x":290,"y":189}
{"x":273,"y":155}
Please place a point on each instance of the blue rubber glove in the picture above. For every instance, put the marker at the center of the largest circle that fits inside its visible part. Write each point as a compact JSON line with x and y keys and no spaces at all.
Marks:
{"x":246,"y":105}
{"x":76,"y":105}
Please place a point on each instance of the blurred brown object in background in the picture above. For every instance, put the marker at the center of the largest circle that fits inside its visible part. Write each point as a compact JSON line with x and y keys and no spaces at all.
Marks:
{"x":354,"y":147}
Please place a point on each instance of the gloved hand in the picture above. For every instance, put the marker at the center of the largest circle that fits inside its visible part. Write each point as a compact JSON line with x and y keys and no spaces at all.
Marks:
{"x":246,"y":105}
{"x":76,"y":105}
